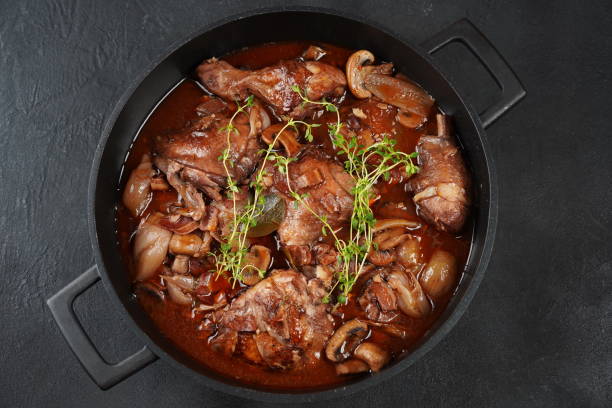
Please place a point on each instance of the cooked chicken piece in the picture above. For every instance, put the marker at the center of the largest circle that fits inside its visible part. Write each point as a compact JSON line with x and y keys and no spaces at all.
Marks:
{"x":192,"y":155}
{"x":370,"y":120}
{"x":221,"y":213}
{"x":193,"y":202}
{"x":441,"y":189}
{"x":378,"y":300}
{"x":274,"y":84}
{"x":328,"y":193}
{"x":286,"y":313}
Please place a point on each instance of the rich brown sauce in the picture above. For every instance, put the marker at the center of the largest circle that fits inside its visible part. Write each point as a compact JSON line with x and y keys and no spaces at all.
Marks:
{"x":181,"y":326}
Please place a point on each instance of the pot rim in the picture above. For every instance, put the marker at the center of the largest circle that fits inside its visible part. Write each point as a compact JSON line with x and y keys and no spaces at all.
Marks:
{"x":315,"y":395}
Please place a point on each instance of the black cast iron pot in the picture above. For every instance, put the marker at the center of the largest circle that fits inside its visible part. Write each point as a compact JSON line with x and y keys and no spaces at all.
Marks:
{"x":237,"y":32}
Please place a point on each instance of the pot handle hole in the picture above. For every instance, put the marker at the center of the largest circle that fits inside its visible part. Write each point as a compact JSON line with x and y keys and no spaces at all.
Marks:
{"x":512,"y":91}
{"x":105,"y":375}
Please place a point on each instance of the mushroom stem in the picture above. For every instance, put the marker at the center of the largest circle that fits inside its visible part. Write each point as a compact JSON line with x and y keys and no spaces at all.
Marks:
{"x":345,"y":339}
{"x":256,"y":260}
{"x":372,"y":354}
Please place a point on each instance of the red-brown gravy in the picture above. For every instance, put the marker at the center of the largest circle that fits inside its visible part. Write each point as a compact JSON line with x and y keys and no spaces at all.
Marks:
{"x":177,"y":322}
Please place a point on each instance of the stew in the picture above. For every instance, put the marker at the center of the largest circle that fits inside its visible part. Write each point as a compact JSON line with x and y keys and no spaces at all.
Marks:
{"x":295,"y":215}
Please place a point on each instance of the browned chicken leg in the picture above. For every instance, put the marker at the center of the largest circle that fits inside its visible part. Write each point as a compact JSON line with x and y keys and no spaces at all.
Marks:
{"x":192,"y":155}
{"x":441,"y":189}
{"x":274,"y":84}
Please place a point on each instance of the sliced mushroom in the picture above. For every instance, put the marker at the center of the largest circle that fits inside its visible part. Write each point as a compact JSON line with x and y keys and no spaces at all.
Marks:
{"x":405,"y":95}
{"x":410,"y":296}
{"x":372,"y":354}
{"x":355,"y":73}
{"x":390,"y":238}
{"x":345,"y":340}
{"x":359,"y":67}
{"x":381,"y":258}
{"x":256,"y":262}
{"x":150,"y":247}
{"x":410,"y":120}
{"x":137,"y":192}
{"x":288,"y":138}
{"x":190,"y":244}
{"x":440,"y":274}
{"x":352,"y":366}
{"x":390,"y":328}
{"x":383,"y":224}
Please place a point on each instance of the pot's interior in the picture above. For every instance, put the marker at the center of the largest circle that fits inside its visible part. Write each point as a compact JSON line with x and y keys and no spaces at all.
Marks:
{"x":257,"y":29}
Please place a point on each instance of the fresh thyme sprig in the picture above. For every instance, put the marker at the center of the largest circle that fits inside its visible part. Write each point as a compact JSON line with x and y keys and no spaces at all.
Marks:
{"x":233,"y":251}
{"x":367,"y":165}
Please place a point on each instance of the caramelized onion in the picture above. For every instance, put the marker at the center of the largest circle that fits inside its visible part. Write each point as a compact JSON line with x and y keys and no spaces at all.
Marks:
{"x":150,"y":247}
{"x":409,"y":253}
{"x":137,"y":192}
{"x":440,"y":274}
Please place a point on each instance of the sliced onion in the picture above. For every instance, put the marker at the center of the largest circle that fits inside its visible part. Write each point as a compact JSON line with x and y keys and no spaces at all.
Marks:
{"x":410,"y":296}
{"x":177,"y":295}
{"x":384,"y":224}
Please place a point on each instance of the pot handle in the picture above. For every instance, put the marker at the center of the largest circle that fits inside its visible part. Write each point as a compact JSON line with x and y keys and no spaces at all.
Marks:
{"x":512,"y":91}
{"x":103,"y":374}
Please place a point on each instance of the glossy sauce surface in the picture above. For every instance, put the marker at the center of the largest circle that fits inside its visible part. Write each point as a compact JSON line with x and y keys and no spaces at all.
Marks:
{"x":178,"y":322}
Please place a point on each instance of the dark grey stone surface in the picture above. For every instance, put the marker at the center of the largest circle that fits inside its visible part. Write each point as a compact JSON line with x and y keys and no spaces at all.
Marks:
{"x":538,"y":332}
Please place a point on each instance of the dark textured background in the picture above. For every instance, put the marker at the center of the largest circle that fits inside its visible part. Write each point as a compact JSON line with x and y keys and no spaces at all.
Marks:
{"x":538,"y":331}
